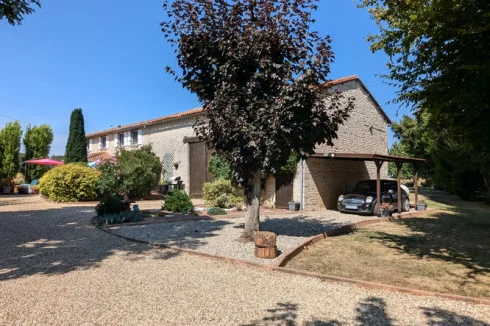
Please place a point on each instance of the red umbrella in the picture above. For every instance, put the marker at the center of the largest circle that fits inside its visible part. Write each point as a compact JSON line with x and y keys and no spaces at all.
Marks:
{"x":44,"y":161}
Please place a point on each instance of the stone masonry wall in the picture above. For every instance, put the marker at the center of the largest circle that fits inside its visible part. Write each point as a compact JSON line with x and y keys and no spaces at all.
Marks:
{"x":167,"y":141}
{"x":365,"y":131}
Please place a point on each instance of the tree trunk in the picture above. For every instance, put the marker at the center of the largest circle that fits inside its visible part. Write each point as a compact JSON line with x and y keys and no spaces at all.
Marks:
{"x":253,"y":208}
{"x":486,"y":180}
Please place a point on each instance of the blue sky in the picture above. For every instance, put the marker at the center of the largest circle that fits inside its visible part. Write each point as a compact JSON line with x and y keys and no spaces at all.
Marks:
{"x":109,"y":58}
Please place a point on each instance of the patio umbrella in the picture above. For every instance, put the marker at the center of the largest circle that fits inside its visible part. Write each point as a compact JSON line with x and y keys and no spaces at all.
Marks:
{"x":44,"y":161}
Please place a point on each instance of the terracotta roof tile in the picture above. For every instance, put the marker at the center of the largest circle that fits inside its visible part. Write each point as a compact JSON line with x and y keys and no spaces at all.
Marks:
{"x":146,"y":122}
{"x":98,"y":156}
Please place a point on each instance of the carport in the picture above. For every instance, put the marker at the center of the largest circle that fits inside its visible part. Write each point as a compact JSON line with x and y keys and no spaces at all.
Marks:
{"x":379,"y":160}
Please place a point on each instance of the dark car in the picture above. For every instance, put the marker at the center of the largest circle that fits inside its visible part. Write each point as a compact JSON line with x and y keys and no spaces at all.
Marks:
{"x":362,"y":199}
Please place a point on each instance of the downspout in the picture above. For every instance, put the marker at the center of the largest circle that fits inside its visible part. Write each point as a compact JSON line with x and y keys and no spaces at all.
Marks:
{"x":301,"y":191}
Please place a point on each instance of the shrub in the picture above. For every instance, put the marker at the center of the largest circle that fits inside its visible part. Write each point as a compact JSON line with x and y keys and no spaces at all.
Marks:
{"x":216,"y":211}
{"x":135,"y":173}
{"x":69,"y":183}
{"x":409,"y":184}
{"x":220,"y":193}
{"x":219,"y":167}
{"x":110,"y":204}
{"x":110,"y":178}
{"x":177,"y":201}
{"x":122,"y":217}
{"x":19,"y":179}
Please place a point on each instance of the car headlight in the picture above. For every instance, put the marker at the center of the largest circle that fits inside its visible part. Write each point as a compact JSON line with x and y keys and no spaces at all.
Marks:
{"x":369,"y":199}
{"x":341,"y":197}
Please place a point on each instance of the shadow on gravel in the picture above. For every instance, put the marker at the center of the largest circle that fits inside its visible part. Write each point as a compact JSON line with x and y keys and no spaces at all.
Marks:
{"x":189,"y":235}
{"x":57,"y":241}
{"x":371,"y":311}
{"x":440,"y":317}
{"x":298,"y":226}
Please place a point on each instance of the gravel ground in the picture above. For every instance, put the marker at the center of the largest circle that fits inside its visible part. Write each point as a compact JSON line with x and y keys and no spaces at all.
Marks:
{"x":218,"y":237}
{"x":55,"y":269}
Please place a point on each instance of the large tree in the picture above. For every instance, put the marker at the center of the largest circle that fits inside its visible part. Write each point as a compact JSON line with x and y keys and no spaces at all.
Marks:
{"x":37,"y":143}
{"x":10,"y":137}
{"x":15,"y":10}
{"x":259,"y":72}
{"x":439,"y":54}
{"x":76,"y":146}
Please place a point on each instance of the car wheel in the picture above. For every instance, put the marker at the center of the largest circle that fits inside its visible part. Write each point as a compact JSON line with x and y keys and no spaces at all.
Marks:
{"x":375,"y":210}
{"x":406,"y":205}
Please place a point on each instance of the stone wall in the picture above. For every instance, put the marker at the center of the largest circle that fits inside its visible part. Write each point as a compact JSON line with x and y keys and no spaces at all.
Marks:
{"x":268,"y":197}
{"x":167,"y":142}
{"x":365,"y":131}
{"x":325,"y":180}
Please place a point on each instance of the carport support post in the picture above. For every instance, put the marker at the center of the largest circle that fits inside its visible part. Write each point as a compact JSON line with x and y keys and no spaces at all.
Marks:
{"x":398,"y":187}
{"x":378,"y":185}
{"x":416,"y":183}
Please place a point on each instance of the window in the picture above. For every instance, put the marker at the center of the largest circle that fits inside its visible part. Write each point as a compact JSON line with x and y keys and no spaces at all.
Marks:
{"x":88,"y":145}
{"x":103,"y":141}
{"x":134,"y":137}
{"x":121,"y":139}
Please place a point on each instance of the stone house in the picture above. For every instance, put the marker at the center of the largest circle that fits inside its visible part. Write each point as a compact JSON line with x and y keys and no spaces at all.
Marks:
{"x":317,"y":182}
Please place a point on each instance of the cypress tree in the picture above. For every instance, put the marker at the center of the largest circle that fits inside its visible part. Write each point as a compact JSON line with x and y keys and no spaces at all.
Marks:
{"x":76,"y":147}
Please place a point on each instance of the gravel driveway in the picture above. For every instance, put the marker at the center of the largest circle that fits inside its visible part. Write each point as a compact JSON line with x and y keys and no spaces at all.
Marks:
{"x":55,"y":269}
{"x":218,"y":237}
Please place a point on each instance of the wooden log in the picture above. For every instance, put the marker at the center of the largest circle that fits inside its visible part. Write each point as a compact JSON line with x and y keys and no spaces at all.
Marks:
{"x":266,"y":252}
{"x":265,"y":239}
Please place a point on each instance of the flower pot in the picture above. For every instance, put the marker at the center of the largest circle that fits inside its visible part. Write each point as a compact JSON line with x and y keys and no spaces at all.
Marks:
{"x":293,"y":206}
{"x":421,"y":207}
{"x":386,"y":213}
{"x":7,"y":189}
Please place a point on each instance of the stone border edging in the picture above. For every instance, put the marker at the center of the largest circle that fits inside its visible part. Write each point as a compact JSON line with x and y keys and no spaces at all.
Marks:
{"x":345,"y":229}
{"x":281,"y":269}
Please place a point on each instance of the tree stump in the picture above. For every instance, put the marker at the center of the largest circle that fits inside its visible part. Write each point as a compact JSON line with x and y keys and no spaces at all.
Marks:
{"x":265,"y":245}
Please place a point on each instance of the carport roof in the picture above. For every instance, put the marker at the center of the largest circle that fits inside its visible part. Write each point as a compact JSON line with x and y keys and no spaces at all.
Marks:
{"x":368,"y":157}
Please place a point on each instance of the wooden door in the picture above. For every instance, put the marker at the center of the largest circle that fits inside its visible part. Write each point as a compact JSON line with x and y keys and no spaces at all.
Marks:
{"x":198,"y":161}
{"x":284,"y":190}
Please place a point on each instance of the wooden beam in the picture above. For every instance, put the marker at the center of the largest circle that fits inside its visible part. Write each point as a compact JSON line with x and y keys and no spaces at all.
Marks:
{"x":378,"y":185}
{"x":191,"y":139}
{"x":399,"y":188}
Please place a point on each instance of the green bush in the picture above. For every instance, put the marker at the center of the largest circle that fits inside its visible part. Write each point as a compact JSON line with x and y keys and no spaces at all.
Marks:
{"x":122,"y":217}
{"x":177,"y":201}
{"x":70,"y":183}
{"x":19,"y":179}
{"x":219,"y":167}
{"x":135,"y":173}
{"x":216,"y":211}
{"x":110,"y":178}
{"x":110,"y":204}
{"x":220,"y":193}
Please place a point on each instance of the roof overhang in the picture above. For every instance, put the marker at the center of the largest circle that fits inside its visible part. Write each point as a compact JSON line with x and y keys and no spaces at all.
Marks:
{"x":368,"y":157}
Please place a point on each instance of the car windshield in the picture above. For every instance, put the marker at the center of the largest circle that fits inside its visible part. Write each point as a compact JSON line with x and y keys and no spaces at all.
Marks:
{"x":366,"y":186}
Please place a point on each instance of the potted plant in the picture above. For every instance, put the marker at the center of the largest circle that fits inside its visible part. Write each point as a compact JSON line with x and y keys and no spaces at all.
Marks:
{"x":386,"y":209}
{"x":293,"y":206}
{"x":421,"y":205}
{"x":35,"y":190}
{"x":6,"y":186}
